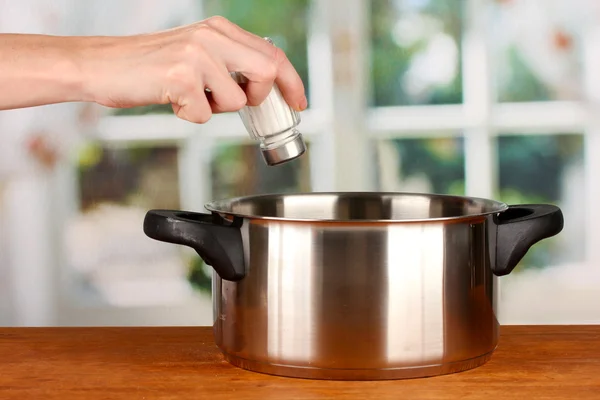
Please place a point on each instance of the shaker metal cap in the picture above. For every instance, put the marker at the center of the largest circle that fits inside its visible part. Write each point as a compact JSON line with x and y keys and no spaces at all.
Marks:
{"x":285,"y":152}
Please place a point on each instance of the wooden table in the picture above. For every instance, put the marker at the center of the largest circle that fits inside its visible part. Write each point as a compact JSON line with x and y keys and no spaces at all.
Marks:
{"x":561,"y":362}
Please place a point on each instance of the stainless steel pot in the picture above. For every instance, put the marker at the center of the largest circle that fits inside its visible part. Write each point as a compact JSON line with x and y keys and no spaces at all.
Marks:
{"x":359,"y":286}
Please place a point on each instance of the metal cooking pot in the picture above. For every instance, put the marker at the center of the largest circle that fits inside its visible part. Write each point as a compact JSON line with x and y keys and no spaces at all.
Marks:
{"x":357,"y":286}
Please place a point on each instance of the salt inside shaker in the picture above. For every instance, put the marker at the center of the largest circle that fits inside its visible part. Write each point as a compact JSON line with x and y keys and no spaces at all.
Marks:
{"x":273,"y":123}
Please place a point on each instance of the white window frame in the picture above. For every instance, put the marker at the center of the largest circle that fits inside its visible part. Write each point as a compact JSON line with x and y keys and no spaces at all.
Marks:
{"x":341,"y":129}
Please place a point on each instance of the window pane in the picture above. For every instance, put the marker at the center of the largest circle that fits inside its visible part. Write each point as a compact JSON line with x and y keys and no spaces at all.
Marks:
{"x":283,"y":21}
{"x":538,"y":53}
{"x":416,"y":52}
{"x":547,"y":169}
{"x":239,"y":170}
{"x":133,"y":176}
{"x":109,"y":259}
{"x":433,"y":165}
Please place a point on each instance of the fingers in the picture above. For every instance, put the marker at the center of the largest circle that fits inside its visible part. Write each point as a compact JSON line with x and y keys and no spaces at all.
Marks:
{"x":277,"y":67}
{"x":257,"y":68}
{"x":202,"y":69}
{"x":225,"y":94}
{"x":194,"y":107}
{"x":289,"y":81}
{"x":213,"y":48}
{"x":215,"y":93}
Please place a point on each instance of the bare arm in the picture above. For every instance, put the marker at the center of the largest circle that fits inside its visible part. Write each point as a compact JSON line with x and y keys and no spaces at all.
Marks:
{"x":167,"y":67}
{"x":37,"y":70}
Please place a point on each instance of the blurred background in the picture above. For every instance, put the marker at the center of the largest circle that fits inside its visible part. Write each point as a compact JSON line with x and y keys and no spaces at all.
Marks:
{"x":490,"y":98}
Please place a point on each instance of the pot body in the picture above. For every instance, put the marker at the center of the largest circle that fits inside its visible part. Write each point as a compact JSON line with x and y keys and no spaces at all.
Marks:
{"x":357,"y":285}
{"x":361,"y":300}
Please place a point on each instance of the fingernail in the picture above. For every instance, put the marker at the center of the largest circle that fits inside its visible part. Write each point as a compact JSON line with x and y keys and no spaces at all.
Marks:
{"x":303,"y":104}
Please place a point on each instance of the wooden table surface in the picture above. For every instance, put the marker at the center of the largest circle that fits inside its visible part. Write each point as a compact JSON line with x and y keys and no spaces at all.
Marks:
{"x":531,"y":362}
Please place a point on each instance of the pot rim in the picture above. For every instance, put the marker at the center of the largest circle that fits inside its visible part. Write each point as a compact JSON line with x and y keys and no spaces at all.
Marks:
{"x":224,"y":207}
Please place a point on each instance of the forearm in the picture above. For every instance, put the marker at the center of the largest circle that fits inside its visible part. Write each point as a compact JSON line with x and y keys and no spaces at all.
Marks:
{"x":39,"y":69}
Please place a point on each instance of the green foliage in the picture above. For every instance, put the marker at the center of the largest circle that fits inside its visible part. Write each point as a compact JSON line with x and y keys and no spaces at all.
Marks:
{"x":389,"y":61}
{"x":521,"y":83}
{"x":199,"y":275}
{"x":89,"y":156}
{"x":440,"y":159}
{"x":532,"y":165}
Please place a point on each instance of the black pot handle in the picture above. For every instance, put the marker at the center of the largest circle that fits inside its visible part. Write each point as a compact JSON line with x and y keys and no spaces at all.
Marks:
{"x":217,"y":242}
{"x":519,"y":228}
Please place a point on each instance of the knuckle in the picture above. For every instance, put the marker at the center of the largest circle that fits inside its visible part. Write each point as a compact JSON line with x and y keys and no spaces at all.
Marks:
{"x":181,"y":77}
{"x":190,"y":52}
{"x":236,"y":103}
{"x":195,"y":116}
{"x":232,"y":103}
{"x":201,"y":34}
{"x":239,"y":102}
{"x":277,"y":57}
{"x":217,"y":21}
{"x":269,"y":70}
{"x":203,"y":116}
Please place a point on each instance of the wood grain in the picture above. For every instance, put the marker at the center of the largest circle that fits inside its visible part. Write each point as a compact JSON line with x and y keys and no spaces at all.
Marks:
{"x":531,"y":362}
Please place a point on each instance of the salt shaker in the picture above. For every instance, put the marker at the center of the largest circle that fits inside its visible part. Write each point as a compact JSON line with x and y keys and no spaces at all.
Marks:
{"x":273,"y":123}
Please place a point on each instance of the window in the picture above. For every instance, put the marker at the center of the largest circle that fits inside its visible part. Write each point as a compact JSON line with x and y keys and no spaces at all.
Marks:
{"x":514,"y":98}
{"x":489,"y":98}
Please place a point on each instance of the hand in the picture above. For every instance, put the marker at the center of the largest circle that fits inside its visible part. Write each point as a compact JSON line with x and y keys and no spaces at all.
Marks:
{"x":177,"y":65}
{"x":168,"y":67}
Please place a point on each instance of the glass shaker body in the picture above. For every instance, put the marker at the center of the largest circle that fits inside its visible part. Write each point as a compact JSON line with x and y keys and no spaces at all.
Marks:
{"x":273,"y":123}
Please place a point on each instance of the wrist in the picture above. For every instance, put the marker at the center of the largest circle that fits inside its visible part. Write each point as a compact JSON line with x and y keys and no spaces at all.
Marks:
{"x":54,"y":66}
{"x":102,"y":64}
{"x":89,"y":65}
{"x":68,"y":70}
